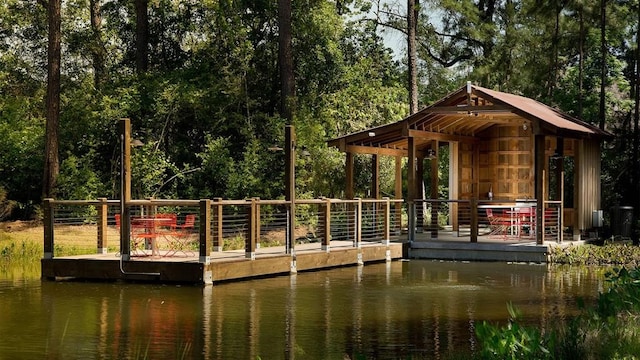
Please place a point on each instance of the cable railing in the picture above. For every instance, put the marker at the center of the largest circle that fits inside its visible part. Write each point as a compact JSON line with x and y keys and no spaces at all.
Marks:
{"x":486,"y":220}
{"x":200,"y":227}
{"x":161,"y":228}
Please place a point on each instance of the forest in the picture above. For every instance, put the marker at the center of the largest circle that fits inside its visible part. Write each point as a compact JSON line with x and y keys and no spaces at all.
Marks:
{"x":209,"y":86}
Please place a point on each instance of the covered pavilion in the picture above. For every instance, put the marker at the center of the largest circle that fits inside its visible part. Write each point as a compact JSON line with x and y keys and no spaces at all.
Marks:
{"x":502,"y":147}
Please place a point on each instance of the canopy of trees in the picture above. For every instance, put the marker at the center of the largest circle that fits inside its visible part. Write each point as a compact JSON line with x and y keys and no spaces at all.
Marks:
{"x":200,"y":81}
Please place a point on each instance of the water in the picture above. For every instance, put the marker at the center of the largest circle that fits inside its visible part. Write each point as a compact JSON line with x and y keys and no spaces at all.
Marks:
{"x":414,"y":309}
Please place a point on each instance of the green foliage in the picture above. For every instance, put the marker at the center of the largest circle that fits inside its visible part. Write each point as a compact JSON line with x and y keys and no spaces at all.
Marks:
{"x":607,"y":330}
{"x":513,"y":341}
{"x":207,"y":108}
{"x":622,"y":254}
{"x":78,"y":180}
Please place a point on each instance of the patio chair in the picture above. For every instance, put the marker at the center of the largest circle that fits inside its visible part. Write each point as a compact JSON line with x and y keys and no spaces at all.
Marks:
{"x":182,"y":238}
{"x":498,"y":224}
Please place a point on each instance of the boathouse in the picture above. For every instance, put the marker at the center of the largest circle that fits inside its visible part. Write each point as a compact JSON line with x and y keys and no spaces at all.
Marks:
{"x":504,"y":151}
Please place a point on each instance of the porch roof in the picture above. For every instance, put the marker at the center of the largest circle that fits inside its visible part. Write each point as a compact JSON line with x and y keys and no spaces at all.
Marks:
{"x":462,"y":116}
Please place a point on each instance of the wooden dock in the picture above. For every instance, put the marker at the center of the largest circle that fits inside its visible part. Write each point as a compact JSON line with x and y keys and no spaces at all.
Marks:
{"x":222,"y":266}
{"x":332,"y":233}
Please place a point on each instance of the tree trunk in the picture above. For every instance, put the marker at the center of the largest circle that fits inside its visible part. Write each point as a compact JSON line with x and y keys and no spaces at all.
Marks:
{"x":285,"y":59}
{"x":603,"y":65}
{"x":581,"y":63}
{"x":636,"y":119}
{"x":412,"y":25}
{"x":553,"y":74}
{"x":51,"y":165}
{"x":98,"y":51}
{"x":142,"y":36}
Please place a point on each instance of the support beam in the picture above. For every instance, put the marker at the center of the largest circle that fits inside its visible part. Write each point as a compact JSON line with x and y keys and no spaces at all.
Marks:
{"x":205,"y":232}
{"x":454,"y":183}
{"x":411,"y":170}
{"x":398,"y":191}
{"x":375,"y":176}
{"x":539,"y":184}
{"x":290,"y":184}
{"x":434,"y":189}
{"x":411,"y":188}
{"x":125,"y":188}
{"x":103,"y":213}
{"x":421,"y":206}
{"x":349,"y":181}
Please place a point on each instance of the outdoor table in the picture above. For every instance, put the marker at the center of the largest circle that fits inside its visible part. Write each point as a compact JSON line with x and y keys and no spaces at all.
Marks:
{"x":149,"y":230}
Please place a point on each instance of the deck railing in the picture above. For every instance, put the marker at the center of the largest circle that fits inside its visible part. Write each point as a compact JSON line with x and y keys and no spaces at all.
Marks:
{"x":470,"y":218}
{"x":220,"y":225}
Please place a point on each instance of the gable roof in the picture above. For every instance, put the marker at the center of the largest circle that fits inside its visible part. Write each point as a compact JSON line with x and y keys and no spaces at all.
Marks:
{"x":462,"y":116}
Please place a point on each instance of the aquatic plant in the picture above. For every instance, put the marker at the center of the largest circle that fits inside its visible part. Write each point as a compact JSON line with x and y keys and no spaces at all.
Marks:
{"x":608,"y":329}
{"x":513,"y":341}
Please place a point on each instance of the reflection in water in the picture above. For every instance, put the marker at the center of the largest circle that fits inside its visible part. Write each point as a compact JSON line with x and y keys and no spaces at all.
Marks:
{"x":422,"y":309}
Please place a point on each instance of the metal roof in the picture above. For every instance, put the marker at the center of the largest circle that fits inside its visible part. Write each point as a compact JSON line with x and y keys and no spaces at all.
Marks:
{"x":464,"y":115}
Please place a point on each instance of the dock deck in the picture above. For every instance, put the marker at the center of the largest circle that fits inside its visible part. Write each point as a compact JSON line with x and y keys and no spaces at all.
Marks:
{"x":222,"y":266}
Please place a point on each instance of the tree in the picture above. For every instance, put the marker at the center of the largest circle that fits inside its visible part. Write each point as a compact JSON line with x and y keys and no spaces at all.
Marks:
{"x":285,"y":59}
{"x":98,"y":51}
{"x":413,"y":9}
{"x":142,"y":36}
{"x":603,"y":64}
{"x":51,"y":163}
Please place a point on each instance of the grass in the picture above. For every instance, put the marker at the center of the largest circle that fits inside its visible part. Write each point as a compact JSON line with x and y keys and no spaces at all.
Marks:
{"x":610,"y":254}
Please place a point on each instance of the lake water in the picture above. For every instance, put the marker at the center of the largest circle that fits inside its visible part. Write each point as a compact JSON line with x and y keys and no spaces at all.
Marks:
{"x":410,"y":309}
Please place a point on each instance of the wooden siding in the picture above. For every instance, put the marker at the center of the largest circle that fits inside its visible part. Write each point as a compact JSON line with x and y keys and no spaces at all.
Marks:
{"x":504,"y":164}
{"x":587,"y":189}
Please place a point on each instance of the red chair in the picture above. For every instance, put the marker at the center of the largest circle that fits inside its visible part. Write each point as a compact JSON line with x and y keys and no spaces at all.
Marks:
{"x":182,"y":239}
{"x":498,"y":224}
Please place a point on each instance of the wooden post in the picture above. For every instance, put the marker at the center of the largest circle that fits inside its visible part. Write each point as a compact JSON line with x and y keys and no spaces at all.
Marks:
{"x":420,"y":195}
{"x":325,"y":212}
{"x":411,"y":188}
{"x":218,"y":240}
{"x":561,"y":210}
{"x":387,"y":221}
{"x":205,"y":232}
{"x":48,"y":228}
{"x":539,"y":185}
{"x":398,"y":192}
{"x":474,"y":220}
{"x":375,"y":176}
{"x":434,"y":190}
{"x":258,"y":224}
{"x":125,"y":188}
{"x":250,"y":242}
{"x":103,"y":213}
{"x":358,"y":223}
{"x":290,"y":185}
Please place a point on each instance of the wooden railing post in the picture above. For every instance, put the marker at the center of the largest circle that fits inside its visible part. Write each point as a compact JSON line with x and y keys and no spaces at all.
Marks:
{"x":250,"y":241}
{"x":435,"y":206}
{"x":48,"y":228}
{"x":474,"y":220}
{"x":325,"y":212}
{"x":205,"y":231}
{"x":257,"y":224}
{"x":358,"y":223}
{"x":218,"y":240}
{"x":411,"y":213}
{"x":387,"y":221}
{"x":103,"y":213}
